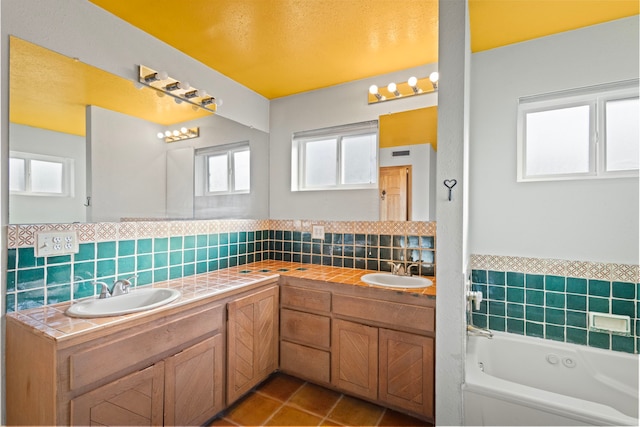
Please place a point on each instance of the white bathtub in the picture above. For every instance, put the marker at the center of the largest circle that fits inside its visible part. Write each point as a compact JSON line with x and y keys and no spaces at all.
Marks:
{"x":516,"y":380}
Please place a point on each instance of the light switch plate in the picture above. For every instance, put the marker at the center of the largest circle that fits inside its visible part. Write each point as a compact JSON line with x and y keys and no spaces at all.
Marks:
{"x":56,"y":242}
{"x":317,"y":232}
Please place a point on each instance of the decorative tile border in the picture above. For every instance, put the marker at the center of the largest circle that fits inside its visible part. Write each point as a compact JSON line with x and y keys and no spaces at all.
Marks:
{"x":21,"y":236}
{"x":579,"y":269}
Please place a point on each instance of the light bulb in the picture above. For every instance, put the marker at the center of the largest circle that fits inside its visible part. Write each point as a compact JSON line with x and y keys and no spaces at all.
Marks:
{"x":413,"y":81}
{"x":184,"y":85}
{"x":167,"y":133}
{"x":434,"y":77}
{"x":162,"y":75}
{"x":184,"y":130}
{"x":202,"y":93}
{"x":392,"y":87}
{"x":160,"y":135}
{"x":176,"y":133}
{"x":373,"y":89}
{"x":219,"y":102}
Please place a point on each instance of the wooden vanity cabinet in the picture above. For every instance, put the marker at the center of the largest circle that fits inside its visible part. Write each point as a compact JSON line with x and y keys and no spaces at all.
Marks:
{"x":305,"y":333}
{"x":385,"y":351}
{"x":368,"y":342}
{"x":165,"y":368}
{"x":252,"y":337}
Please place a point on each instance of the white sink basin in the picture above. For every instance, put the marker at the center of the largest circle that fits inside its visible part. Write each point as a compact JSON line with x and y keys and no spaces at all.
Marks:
{"x":137,"y":300}
{"x":389,"y":280}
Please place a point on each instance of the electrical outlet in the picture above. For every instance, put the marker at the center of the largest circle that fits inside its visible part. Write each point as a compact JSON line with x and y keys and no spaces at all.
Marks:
{"x":317,"y":232}
{"x":56,"y":242}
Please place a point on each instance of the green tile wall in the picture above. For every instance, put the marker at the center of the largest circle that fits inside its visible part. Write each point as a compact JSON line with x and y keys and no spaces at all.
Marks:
{"x":365,"y":251}
{"x":34,"y":282}
{"x":555,"y":307}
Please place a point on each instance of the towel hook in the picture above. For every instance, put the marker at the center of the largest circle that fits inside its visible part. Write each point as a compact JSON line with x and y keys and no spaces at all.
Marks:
{"x":450,"y":183}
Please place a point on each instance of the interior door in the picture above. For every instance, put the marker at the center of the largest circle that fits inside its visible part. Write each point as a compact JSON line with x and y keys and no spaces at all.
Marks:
{"x":395,"y":193}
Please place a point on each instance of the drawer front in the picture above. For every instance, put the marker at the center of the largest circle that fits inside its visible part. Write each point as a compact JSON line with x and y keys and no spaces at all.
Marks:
{"x":305,"y":299}
{"x":391,"y":313}
{"x":99,"y":362}
{"x":305,"y":362}
{"x":305,"y":328}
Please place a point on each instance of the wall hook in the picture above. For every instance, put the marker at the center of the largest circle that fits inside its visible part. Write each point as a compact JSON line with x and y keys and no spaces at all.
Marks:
{"x":450,"y":183}
{"x":88,"y":203}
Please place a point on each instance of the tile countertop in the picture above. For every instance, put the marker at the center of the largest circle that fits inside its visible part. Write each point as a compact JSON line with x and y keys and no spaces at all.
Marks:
{"x":53,"y":322}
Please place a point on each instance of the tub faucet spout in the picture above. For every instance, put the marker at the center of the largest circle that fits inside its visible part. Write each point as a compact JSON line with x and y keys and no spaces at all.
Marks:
{"x":474,"y":330}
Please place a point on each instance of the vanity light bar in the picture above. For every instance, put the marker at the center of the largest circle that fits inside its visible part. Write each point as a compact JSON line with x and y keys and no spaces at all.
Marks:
{"x":180,"y":91}
{"x":179,"y":135}
{"x":414,"y":86}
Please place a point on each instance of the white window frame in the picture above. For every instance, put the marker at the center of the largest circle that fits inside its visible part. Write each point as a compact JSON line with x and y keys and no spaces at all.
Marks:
{"x":595,"y":97}
{"x":67,"y":178}
{"x":300,"y":139}
{"x":202,"y":168}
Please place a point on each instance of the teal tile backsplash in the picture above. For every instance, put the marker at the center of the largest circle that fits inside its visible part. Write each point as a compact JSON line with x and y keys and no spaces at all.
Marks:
{"x":556,"y":306}
{"x":158,"y":251}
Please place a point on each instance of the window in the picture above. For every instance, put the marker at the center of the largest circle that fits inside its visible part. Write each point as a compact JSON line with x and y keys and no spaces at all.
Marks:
{"x":223,"y":169}
{"x":585,"y":133}
{"x":39,"y":175}
{"x":342,"y":157}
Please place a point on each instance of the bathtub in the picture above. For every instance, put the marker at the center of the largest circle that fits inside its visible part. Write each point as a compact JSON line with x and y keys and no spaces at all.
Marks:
{"x":516,"y":380}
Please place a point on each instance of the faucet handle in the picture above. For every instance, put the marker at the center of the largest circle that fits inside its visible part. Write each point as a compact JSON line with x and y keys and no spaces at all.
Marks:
{"x":394,"y":267}
{"x":104,"y":290}
{"x":409,"y":267}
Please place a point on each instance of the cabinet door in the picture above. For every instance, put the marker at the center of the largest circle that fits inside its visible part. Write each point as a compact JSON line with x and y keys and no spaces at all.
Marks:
{"x":135,"y":400}
{"x":407,"y":371}
{"x":252,"y":336}
{"x":354,"y":358}
{"x":194,"y":383}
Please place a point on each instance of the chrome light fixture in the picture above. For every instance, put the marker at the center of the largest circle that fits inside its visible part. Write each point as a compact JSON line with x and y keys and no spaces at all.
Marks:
{"x":180,"y":91}
{"x":179,"y":134}
{"x":413,"y":86}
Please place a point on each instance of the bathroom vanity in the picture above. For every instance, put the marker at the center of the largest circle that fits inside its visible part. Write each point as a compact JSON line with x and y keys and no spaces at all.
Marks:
{"x":183,"y":363}
{"x":369,"y":342}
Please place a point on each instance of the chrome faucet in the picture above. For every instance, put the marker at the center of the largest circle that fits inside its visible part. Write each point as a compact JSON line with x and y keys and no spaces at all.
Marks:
{"x":400,"y":269}
{"x":474,"y":330}
{"x":120,"y":287}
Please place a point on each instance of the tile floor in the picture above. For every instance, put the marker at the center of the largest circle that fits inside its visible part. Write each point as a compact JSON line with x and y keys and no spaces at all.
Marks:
{"x":283,"y":400}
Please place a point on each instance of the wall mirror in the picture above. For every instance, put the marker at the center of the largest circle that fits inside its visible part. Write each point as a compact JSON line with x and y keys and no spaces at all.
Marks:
{"x":84,"y":147}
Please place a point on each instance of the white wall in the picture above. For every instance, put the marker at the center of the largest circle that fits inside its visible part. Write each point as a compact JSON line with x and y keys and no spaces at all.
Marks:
{"x":126,"y":167}
{"x":39,"y":209}
{"x":422,"y":159}
{"x":336,"y":105}
{"x":451,"y":216}
{"x":80,"y":29}
{"x":588,"y":220}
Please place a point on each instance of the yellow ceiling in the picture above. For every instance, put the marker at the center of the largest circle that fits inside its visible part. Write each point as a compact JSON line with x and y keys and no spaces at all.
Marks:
{"x":50,"y":91}
{"x":496,"y":23}
{"x":283,"y":47}
{"x":277,"y":48}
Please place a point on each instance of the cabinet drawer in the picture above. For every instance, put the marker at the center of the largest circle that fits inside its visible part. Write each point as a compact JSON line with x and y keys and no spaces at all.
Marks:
{"x":386,"y":312}
{"x":93,"y":364}
{"x":305,"y":362}
{"x":305,"y":328}
{"x":305,"y":299}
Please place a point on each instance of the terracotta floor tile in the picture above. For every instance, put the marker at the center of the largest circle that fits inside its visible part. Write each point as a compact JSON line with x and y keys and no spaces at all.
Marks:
{"x":219,"y":422}
{"x":290,"y":416}
{"x":355,"y":412}
{"x":394,"y":418}
{"x":330,"y":423}
{"x":316,"y":399}
{"x":281,"y":386}
{"x":254,"y":410}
